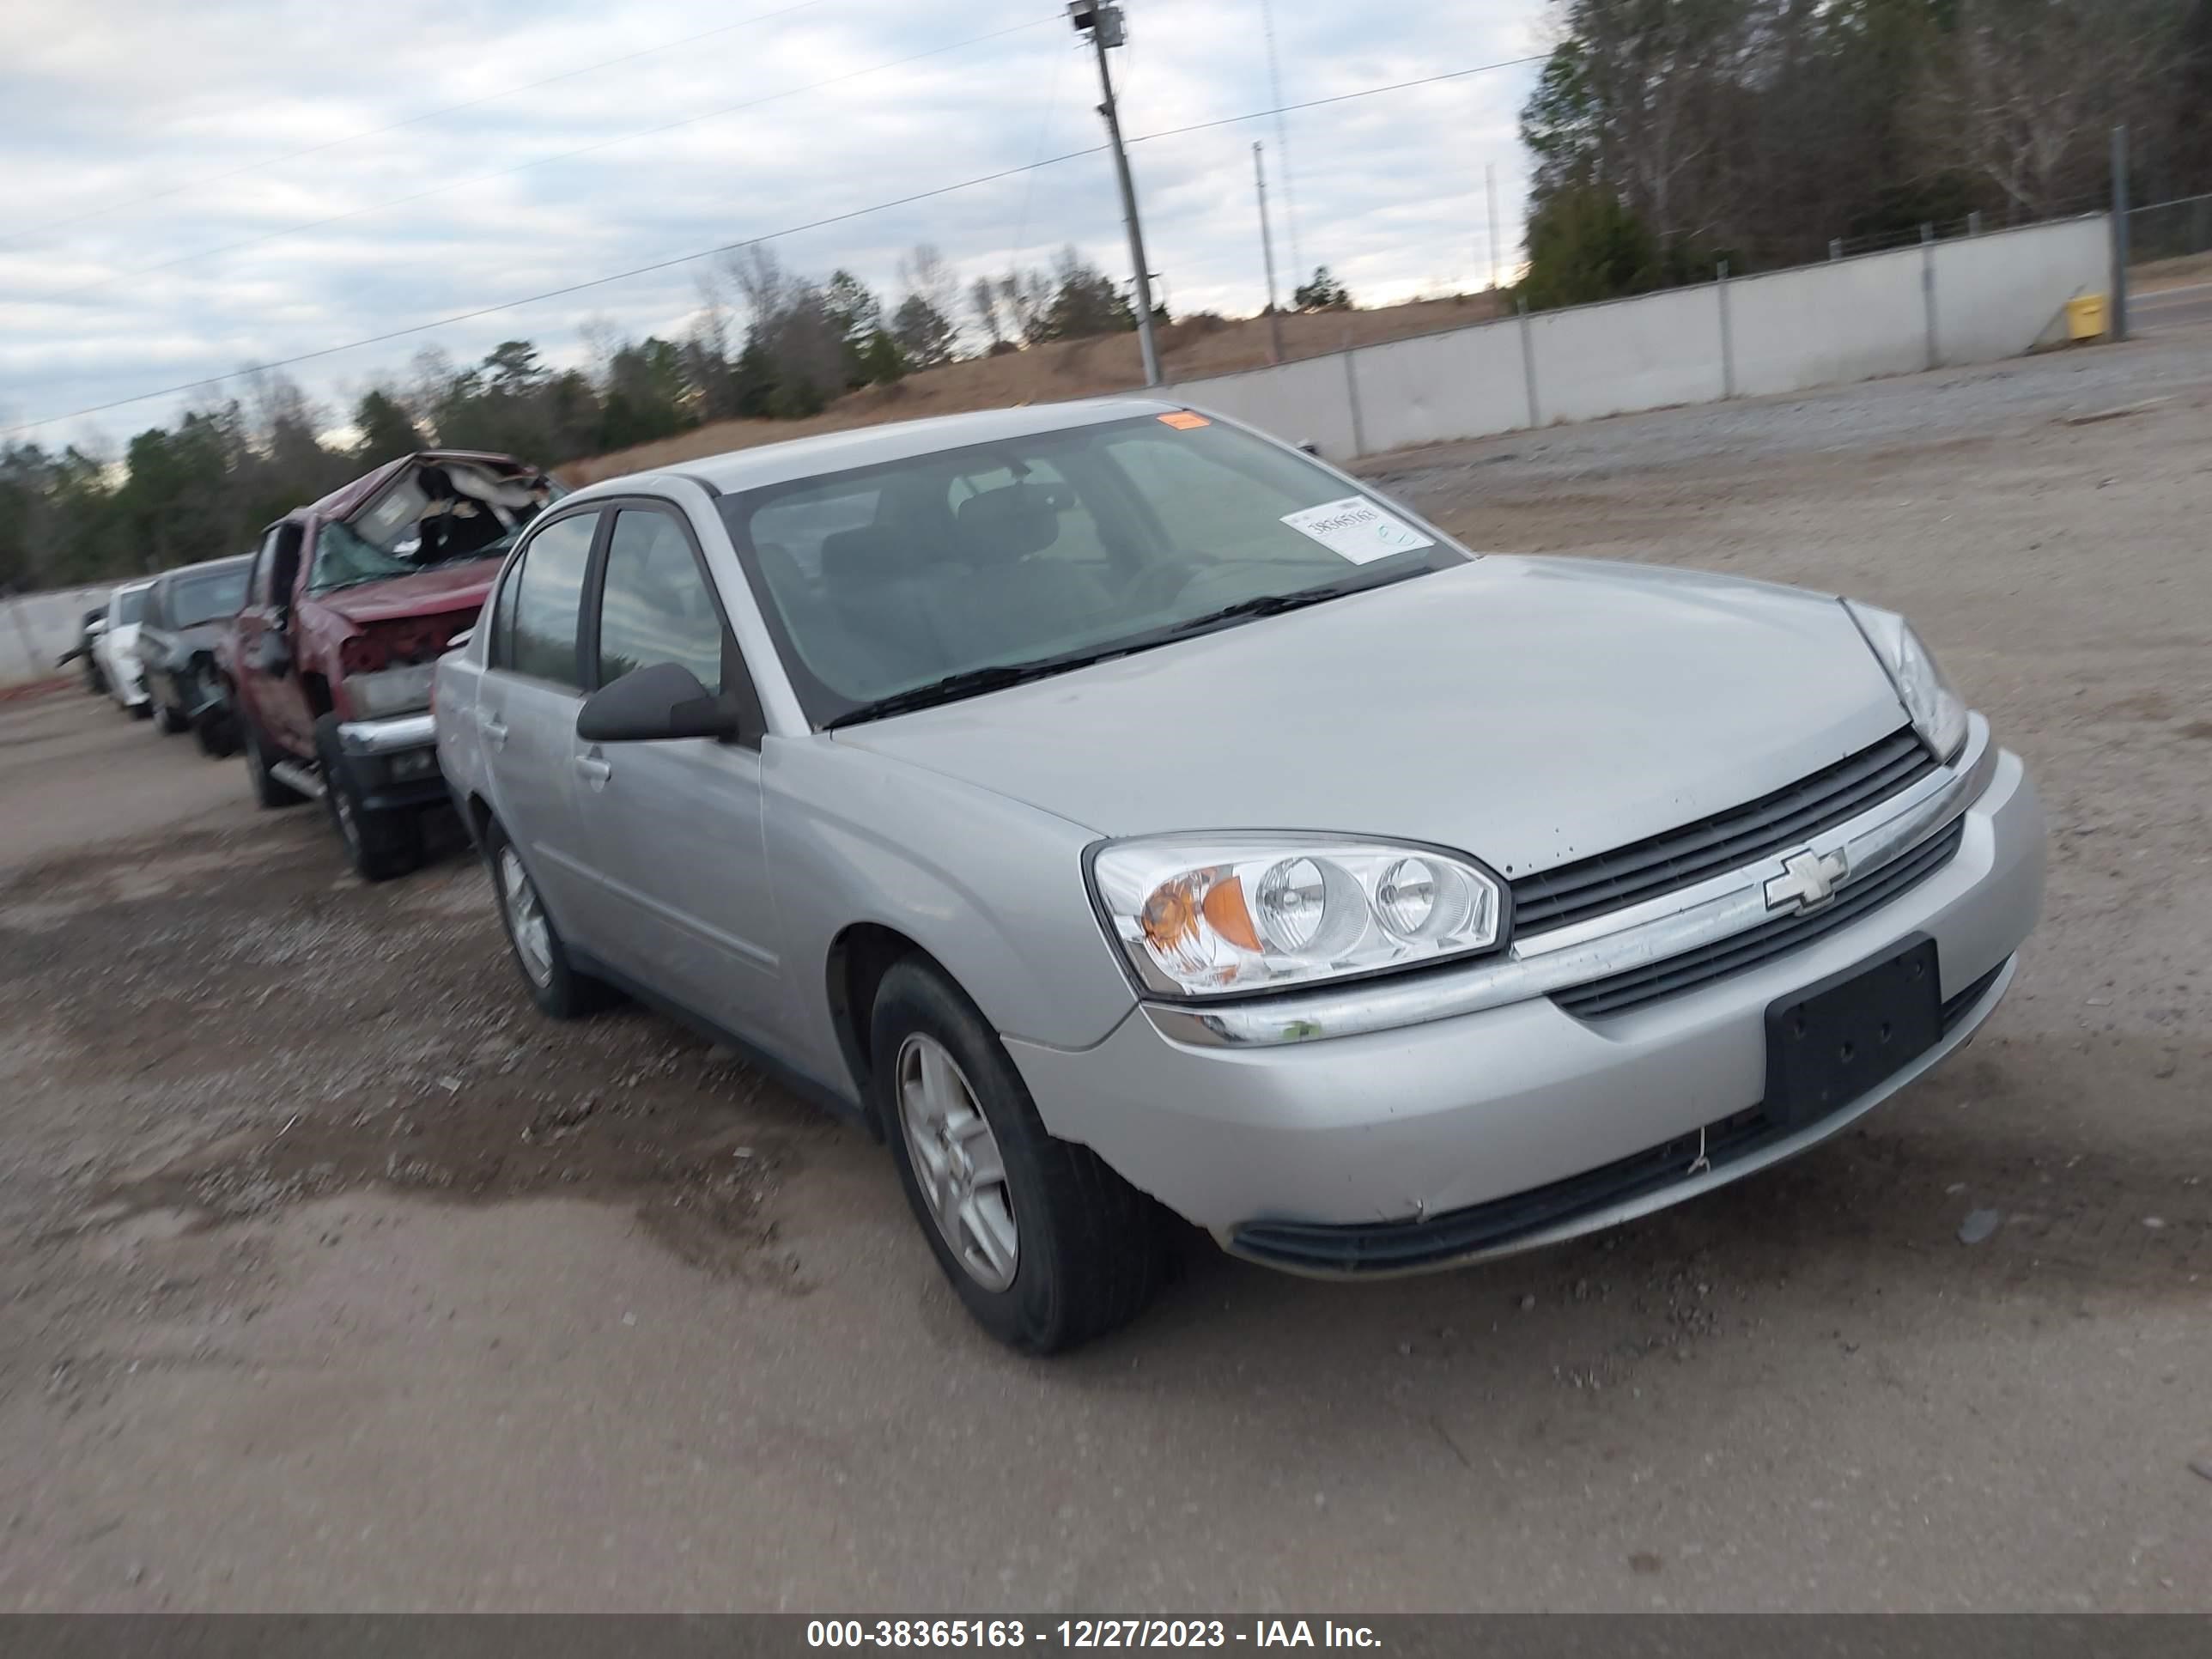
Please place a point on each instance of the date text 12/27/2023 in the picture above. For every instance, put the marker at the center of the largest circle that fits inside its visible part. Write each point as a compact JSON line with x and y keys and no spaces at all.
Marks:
{"x":1086,"y":1633}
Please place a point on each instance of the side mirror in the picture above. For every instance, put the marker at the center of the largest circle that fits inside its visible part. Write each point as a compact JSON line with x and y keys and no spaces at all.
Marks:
{"x":1310,"y":447}
{"x":653,"y":704}
{"x":272,"y":653}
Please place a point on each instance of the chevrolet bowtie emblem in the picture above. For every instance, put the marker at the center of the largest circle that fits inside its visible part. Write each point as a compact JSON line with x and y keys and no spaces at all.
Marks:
{"x":1808,"y":879}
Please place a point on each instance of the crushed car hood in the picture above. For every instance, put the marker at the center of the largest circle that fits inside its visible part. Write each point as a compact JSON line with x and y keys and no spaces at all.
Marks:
{"x":426,"y":593}
{"x":1527,"y":711}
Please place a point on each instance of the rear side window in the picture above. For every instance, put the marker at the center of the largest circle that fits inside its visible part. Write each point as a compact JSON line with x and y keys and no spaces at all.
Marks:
{"x":655,"y":606}
{"x":549,"y":594}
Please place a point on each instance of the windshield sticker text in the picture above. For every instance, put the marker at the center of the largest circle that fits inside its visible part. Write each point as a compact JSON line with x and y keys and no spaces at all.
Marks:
{"x":1355,"y":529}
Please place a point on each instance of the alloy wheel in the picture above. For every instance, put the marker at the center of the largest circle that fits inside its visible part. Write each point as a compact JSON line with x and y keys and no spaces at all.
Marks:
{"x":957,"y":1162}
{"x":526,"y":919}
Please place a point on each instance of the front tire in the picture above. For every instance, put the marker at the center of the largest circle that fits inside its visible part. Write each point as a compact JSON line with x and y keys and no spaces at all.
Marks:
{"x":1045,"y":1245}
{"x":558,"y":989}
{"x":379,"y":845}
{"x":167,"y":721}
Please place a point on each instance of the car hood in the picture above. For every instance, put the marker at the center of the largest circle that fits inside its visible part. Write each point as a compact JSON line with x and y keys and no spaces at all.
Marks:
{"x":426,"y":592}
{"x":1527,"y":711}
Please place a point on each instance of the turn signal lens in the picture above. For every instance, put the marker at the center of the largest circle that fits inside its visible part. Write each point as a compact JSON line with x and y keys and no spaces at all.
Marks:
{"x":1199,"y":917}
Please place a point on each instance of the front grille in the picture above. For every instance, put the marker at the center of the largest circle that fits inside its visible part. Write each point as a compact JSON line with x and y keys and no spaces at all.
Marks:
{"x":1692,"y":968}
{"x":1628,"y":875}
{"x":1397,"y":1246}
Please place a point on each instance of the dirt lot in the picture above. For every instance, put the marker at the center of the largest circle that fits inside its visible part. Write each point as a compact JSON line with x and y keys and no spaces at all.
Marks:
{"x":330,"y":1276}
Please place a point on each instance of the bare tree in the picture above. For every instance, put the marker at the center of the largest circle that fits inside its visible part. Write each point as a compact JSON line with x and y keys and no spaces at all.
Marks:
{"x":983,"y":296}
{"x":762,"y":282}
{"x":2029,"y":88}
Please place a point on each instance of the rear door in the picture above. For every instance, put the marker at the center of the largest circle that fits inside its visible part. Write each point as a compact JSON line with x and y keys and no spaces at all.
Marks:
{"x":525,"y":710}
{"x":680,"y":897}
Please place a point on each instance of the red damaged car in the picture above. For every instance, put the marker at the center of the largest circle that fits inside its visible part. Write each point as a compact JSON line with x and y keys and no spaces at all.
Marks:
{"x":351,"y":603}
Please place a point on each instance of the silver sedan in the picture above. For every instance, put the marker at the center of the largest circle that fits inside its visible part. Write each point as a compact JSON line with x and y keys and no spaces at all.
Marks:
{"x":1121,"y":813}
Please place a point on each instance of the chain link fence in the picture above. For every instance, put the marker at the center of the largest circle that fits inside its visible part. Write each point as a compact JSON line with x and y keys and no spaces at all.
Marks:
{"x":2170,"y":230}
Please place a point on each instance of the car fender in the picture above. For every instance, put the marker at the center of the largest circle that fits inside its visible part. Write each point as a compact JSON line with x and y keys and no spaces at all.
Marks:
{"x":993,"y":889}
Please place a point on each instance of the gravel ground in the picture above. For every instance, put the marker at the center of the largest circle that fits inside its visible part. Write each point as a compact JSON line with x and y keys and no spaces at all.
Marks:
{"x":331,"y":1277}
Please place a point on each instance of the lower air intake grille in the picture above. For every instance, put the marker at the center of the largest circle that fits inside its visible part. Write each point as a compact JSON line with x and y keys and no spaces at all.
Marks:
{"x":1687,"y":972}
{"x":1381,"y":1247}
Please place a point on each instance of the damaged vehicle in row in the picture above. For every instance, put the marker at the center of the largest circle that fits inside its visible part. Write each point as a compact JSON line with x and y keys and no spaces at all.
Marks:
{"x":187,"y":613}
{"x":349,"y":603}
{"x":1114,"y":809}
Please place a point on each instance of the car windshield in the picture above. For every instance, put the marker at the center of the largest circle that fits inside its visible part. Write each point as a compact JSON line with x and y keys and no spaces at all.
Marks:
{"x":127,"y":608}
{"x":1050,"y":550}
{"x":344,"y":559}
{"x":196,"y":600}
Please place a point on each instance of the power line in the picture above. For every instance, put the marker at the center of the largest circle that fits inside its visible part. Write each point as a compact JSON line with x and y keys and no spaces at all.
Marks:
{"x":285,"y":231}
{"x":549,"y":294}
{"x":1044,"y":132}
{"x":21,"y":237}
{"x":1337,"y":98}
{"x":413,"y":329}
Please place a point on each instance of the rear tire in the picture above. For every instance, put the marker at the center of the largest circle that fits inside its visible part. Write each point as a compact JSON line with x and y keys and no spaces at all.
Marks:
{"x":266,"y":790}
{"x":379,"y":845}
{"x":218,"y":735}
{"x":560,"y":991}
{"x":1085,"y":1249}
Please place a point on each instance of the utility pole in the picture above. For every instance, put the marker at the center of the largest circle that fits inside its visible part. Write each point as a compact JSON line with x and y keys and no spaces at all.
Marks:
{"x":1490,"y":185}
{"x":1103,"y":23}
{"x":2117,"y":325}
{"x":1268,"y":252}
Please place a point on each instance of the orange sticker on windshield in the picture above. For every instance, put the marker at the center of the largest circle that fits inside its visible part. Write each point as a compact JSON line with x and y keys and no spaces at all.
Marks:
{"x":1183,"y":421}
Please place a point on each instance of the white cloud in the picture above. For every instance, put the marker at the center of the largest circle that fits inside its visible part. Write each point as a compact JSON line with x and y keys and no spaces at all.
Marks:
{"x":149,"y":136}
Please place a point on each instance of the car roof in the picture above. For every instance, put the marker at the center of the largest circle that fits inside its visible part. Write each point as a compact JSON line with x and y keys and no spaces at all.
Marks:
{"x":349,"y":498}
{"x":207,"y":566}
{"x":840,"y":452}
{"x":131,"y":586}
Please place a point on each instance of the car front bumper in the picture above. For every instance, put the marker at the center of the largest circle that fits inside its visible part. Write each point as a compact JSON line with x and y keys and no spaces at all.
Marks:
{"x":393,"y":761}
{"x":1519,"y":1124}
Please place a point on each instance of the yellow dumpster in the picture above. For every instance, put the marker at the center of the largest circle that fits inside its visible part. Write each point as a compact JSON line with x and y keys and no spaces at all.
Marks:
{"x":2085,"y":317}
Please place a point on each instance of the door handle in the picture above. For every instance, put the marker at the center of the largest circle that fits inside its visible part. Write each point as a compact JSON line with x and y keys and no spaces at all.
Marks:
{"x":596,"y":771}
{"x":495,"y":729}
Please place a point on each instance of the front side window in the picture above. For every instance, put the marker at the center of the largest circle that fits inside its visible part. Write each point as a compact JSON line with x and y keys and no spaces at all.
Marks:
{"x":1052,"y":548}
{"x":127,"y":608}
{"x":548,"y":593}
{"x":655,"y":606}
{"x":192,"y":600}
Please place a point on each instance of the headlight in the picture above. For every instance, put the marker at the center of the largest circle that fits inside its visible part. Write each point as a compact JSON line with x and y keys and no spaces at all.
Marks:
{"x":1203,"y":916}
{"x":1938,"y":713}
{"x":390,"y":691}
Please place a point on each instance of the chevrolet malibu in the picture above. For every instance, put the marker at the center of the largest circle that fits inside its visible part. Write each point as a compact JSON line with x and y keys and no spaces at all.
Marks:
{"x":1118,"y":812}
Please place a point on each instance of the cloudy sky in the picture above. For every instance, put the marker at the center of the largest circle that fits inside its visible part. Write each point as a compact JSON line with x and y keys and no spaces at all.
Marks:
{"x":186,"y":191}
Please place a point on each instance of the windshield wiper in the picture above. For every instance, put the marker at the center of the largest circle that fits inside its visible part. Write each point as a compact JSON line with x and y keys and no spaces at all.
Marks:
{"x":970,"y":683}
{"x":1273,"y":604}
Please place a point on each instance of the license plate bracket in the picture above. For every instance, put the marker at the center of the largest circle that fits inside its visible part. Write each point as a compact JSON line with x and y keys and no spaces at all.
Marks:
{"x":1831,"y":1042}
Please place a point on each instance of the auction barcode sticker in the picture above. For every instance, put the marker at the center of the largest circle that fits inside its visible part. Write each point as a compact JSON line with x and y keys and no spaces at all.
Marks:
{"x":1355,"y":529}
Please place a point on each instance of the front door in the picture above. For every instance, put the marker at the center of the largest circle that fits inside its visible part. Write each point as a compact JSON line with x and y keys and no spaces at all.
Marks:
{"x":269,"y":683}
{"x":526,"y":709}
{"x":674,"y":839}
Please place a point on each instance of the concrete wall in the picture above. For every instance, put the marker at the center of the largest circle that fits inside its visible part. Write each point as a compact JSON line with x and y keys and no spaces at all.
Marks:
{"x":37,"y":627}
{"x":1990,"y":297}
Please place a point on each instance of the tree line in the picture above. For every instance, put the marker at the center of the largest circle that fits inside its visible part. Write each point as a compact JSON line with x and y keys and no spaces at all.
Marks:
{"x":764,"y":342}
{"x":1670,"y":134}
